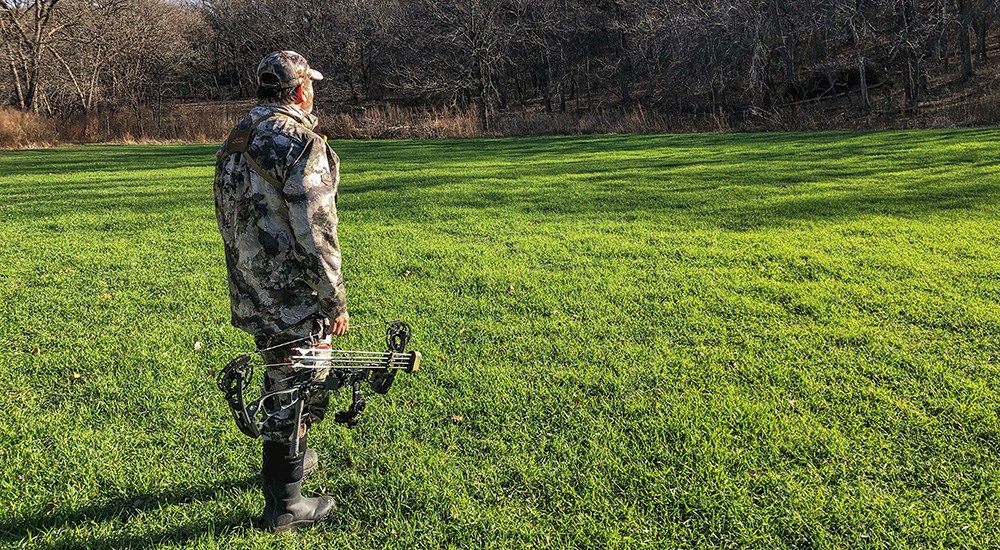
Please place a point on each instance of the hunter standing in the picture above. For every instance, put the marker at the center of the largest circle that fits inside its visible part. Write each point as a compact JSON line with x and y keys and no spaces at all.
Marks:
{"x":276,"y":205}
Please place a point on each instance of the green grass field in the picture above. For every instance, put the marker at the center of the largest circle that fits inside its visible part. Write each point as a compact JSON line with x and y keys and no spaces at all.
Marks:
{"x":771,"y":340}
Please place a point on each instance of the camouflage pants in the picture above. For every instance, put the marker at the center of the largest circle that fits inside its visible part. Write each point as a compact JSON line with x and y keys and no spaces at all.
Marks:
{"x":276,"y":377}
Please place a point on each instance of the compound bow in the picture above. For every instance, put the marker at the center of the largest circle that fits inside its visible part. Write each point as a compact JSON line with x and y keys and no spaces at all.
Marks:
{"x":347,"y":368}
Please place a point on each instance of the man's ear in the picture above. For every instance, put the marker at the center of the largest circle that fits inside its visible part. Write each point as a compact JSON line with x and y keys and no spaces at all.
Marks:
{"x":300,"y":94}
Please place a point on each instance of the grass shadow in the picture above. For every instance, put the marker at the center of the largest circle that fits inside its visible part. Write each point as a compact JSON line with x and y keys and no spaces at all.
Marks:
{"x":19,"y":529}
{"x":104,"y":158}
{"x":730,"y":181}
{"x":36,"y":527}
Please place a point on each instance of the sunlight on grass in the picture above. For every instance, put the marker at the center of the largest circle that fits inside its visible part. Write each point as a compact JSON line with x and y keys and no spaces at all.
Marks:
{"x":771,"y":340}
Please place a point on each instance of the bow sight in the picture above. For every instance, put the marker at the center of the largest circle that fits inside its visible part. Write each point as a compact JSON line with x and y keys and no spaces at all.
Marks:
{"x":346,"y":369}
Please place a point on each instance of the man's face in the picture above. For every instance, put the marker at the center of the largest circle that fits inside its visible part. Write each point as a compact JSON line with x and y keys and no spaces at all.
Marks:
{"x":306,"y":102}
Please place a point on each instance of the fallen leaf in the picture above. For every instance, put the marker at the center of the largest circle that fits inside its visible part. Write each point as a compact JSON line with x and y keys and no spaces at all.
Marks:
{"x":461,"y":330}
{"x":792,"y":403}
{"x":411,"y":404}
{"x":51,"y":506}
{"x":75,"y":377}
{"x":36,"y":351}
{"x":577,"y":400}
{"x":456,"y":419}
{"x":510,"y":289}
{"x":407,"y":273}
{"x":197,"y":346}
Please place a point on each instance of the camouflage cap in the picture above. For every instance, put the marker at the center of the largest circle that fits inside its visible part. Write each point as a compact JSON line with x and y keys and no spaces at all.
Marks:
{"x":284,"y":69}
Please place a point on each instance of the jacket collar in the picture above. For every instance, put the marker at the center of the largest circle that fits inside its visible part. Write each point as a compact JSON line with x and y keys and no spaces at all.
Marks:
{"x":306,"y":119}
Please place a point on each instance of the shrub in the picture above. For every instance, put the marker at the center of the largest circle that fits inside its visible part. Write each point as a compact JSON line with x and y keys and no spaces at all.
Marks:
{"x":20,"y":130}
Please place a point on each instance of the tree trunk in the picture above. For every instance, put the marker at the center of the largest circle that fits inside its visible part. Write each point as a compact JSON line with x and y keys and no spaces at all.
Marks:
{"x":921,"y":77}
{"x":982,"y":27}
{"x":912,"y":87}
{"x":31,"y":92}
{"x":17,"y":86}
{"x":624,"y":68}
{"x":964,"y":45}
{"x":862,"y":69}
{"x":788,"y":61}
{"x":863,"y":81}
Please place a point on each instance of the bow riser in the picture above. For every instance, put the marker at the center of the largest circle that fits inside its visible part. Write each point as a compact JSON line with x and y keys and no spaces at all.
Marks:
{"x":347,"y":368}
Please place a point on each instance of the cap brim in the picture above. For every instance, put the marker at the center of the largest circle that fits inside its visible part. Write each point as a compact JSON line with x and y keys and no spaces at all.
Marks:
{"x":315,"y":75}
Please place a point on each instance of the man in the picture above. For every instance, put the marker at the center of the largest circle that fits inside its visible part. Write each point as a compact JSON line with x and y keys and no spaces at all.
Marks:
{"x":275,"y":202}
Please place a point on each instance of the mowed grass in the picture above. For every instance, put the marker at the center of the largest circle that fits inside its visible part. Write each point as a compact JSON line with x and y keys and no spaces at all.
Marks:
{"x":771,"y":340}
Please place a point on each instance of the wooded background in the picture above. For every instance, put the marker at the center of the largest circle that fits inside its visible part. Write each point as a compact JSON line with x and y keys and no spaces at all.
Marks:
{"x":738,"y":64}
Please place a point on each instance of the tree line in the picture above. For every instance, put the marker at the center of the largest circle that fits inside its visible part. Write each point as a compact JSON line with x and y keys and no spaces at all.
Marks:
{"x":72,"y":57}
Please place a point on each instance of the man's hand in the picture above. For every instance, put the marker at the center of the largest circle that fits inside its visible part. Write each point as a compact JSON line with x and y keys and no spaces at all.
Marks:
{"x":340,"y":325}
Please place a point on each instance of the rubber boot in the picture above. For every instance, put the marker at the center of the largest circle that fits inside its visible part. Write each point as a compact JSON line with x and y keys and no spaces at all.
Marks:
{"x":310,"y":463}
{"x":285,"y":509}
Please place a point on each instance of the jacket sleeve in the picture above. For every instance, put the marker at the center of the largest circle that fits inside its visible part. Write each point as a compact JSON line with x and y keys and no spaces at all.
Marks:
{"x":311,"y":194}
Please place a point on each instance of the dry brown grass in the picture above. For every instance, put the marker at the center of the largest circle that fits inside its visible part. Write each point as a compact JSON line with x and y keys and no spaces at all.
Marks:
{"x":387,"y":122}
{"x":20,"y":130}
{"x":196,"y":122}
{"x":209,"y":122}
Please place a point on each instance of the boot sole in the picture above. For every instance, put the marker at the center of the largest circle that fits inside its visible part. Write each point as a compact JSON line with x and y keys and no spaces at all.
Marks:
{"x":295,"y":525}
{"x":292,"y":527}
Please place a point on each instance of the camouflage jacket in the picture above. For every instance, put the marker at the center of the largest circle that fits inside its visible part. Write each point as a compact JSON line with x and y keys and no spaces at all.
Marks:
{"x":280,"y":228}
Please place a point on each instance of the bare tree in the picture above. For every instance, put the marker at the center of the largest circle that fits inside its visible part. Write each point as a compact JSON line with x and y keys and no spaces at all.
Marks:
{"x":27,"y":28}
